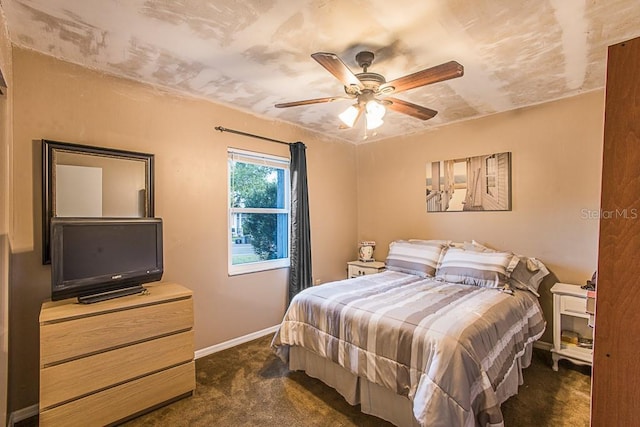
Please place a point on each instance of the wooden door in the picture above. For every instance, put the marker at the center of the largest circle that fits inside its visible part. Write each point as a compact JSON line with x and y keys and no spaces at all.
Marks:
{"x":616,"y":368}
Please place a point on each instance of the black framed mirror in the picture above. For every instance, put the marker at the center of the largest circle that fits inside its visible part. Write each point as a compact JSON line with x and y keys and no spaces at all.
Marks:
{"x":86,"y":181}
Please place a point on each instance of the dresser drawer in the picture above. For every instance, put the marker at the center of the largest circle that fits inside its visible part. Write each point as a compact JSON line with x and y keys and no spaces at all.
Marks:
{"x":573,"y":305}
{"x":117,"y":403}
{"x":68,"y":381}
{"x":75,"y":338}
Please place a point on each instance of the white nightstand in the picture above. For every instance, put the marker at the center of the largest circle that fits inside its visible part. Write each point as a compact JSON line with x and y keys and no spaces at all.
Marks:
{"x":361,"y":268}
{"x":569,"y":313}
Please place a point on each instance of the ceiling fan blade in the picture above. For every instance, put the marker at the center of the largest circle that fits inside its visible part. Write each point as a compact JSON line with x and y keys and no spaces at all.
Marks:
{"x":413,"y":110}
{"x":439,"y":73}
{"x":335,"y":66}
{"x":310,"y":101}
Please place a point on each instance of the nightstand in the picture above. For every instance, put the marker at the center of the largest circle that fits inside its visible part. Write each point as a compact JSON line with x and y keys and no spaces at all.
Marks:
{"x":570,"y":314}
{"x":361,"y":268}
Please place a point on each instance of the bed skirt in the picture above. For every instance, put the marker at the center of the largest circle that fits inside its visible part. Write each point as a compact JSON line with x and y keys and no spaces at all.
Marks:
{"x":380,"y":401}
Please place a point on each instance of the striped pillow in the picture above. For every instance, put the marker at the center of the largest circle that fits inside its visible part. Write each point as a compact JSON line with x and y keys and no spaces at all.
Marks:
{"x":420,"y":257}
{"x":487,"y":269}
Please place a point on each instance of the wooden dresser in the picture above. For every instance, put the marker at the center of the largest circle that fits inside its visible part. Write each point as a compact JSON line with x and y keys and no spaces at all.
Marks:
{"x":105,"y":362}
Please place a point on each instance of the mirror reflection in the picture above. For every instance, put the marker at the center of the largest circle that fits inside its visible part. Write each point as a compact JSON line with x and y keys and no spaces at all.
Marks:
{"x":98,"y":186}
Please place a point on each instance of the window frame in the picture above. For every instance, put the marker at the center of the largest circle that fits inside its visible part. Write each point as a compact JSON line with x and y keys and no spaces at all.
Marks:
{"x":259,"y":159}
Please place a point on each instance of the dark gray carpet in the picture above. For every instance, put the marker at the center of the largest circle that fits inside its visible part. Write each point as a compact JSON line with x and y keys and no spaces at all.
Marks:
{"x":249,"y":386}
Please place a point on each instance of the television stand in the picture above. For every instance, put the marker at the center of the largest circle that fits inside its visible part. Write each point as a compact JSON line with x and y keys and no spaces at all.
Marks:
{"x":103,"y":296}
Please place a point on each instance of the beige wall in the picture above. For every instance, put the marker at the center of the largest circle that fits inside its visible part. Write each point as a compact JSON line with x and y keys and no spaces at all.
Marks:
{"x":556,"y":169}
{"x":63,"y":102}
{"x":6,"y":127}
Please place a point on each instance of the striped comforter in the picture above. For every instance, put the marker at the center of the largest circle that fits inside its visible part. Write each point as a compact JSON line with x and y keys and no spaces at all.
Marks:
{"x":447,"y":347}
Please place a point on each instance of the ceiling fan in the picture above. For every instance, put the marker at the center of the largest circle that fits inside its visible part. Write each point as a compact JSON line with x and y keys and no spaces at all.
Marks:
{"x":371,"y":90}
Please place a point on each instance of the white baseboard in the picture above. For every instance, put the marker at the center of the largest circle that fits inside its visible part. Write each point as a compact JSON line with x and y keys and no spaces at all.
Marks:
{"x":543,"y":345}
{"x":23,"y":414}
{"x":234,"y":342}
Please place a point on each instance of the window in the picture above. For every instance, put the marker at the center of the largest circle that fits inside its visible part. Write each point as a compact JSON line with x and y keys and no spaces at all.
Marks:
{"x":259,"y":194}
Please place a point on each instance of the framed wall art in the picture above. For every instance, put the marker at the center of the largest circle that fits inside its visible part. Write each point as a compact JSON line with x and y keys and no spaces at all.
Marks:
{"x":480,"y":183}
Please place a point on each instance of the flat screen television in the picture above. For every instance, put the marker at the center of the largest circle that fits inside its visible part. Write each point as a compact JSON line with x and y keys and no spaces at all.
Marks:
{"x":95,"y":259}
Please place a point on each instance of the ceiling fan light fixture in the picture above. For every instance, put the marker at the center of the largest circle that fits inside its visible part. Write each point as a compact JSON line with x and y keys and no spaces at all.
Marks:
{"x":349,"y":116}
{"x":374,"y":113}
{"x":375,"y":109}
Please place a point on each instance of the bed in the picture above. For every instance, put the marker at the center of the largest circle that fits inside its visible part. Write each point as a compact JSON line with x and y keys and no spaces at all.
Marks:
{"x":439,"y":339}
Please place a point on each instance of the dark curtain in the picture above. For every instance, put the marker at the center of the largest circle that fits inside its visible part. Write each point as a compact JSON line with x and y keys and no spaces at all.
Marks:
{"x":300,"y":270}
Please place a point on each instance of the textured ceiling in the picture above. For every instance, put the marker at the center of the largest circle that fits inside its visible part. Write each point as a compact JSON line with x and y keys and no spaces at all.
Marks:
{"x":254,"y":54}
